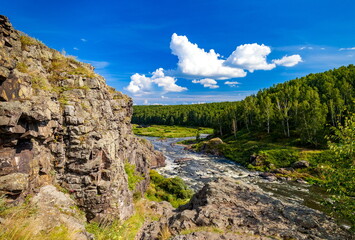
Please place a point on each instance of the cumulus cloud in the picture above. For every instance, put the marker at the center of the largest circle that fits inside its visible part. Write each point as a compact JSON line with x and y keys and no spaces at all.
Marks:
{"x":141,"y":84}
{"x":205,"y":67}
{"x":288,"y":61}
{"x":83,"y":40}
{"x":166,"y":82}
{"x":196,"y":62}
{"x":251,"y":57}
{"x":207,"y":82}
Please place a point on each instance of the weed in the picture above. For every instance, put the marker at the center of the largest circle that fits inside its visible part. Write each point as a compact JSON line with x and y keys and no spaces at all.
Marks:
{"x":22,"y":67}
{"x":133,"y":177}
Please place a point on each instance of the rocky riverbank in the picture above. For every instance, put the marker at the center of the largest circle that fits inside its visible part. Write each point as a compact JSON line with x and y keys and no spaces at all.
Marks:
{"x":229,"y":209}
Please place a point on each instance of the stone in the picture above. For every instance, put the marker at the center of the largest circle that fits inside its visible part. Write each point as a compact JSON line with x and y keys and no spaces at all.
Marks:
{"x":301,"y":164}
{"x":54,"y":209}
{"x":13,"y":183}
{"x":182,"y":160}
{"x":238,"y":207}
{"x":212,"y":146}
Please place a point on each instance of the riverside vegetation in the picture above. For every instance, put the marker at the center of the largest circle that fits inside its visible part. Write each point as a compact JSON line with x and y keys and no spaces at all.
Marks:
{"x":164,"y":131}
{"x":307,"y":121}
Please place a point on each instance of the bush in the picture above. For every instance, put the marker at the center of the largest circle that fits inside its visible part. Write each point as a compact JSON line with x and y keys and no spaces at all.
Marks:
{"x":173,"y":190}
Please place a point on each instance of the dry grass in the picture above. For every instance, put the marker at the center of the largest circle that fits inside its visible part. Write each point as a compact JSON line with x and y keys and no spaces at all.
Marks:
{"x":19,"y":224}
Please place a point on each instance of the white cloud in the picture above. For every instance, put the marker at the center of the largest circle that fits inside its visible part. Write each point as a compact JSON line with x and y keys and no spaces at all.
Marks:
{"x":164,"y":97}
{"x":346,"y":49}
{"x":288,"y":61}
{"x":251,"y":57}
{"x":231,"y":83}
{"x":307,"y":48}
{"x":146,"y":101}
{"x":207,"y":82}
{"x":166,"y":82}
{"x":75,"y":48}
{"x":196,"y":62}
{"x":140,"y":84}
{"x":83,"y":40}
{"x":205,"y":67}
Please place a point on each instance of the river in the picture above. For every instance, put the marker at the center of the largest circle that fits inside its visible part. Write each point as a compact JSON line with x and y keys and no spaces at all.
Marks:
{"x":196,"y":169}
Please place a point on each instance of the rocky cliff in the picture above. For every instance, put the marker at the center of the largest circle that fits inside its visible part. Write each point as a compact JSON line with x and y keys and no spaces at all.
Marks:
{"x":60,"y":124}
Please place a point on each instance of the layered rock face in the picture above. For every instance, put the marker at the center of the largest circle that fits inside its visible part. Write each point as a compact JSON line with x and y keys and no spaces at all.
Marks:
{"x":226,"y":209}
{"x":61,"y":124}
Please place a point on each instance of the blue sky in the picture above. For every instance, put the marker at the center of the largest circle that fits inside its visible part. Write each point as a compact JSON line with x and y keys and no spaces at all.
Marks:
{"x":160,"y":51}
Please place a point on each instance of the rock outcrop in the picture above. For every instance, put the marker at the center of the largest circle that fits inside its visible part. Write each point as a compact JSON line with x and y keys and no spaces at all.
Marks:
{"x":226,"y":209}
{"x":213,"y":146}
{"x":61,"y":124}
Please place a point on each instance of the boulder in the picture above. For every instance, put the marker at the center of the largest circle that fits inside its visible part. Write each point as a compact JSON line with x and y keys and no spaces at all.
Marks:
{"x":212,"y":146}
{"x":301,"y":164}
{"x":226,"y":206}
{"x":55,"y":209}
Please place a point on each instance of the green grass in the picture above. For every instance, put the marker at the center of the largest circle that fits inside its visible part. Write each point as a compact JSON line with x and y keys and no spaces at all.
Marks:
{"x":18,"y":224}
{"x":170,"y":131}
{"x":133,"y":177}
{"x":272,"y":154}
{"x":124,"y":230}
{"x":173,"y":190}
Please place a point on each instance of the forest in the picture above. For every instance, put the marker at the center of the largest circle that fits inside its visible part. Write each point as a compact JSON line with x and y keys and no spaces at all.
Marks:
{"x":303,"y":109}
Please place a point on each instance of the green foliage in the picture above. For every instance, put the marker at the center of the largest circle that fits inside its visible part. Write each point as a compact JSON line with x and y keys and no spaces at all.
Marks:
{"x":277,"y":158}
{"x":173,"y":190}
{"x":298,"y":109}
{"x":169,"y":131}
{"x":133,"y":177}
{"x":340,"y":180}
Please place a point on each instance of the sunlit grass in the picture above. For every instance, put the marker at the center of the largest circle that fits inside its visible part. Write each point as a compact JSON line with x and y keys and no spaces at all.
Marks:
{"x":170,"y":131}
{"x":124,"y":230}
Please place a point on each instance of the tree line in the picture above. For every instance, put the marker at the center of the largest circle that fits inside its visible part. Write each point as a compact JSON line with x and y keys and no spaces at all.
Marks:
{"x":303,"y":108}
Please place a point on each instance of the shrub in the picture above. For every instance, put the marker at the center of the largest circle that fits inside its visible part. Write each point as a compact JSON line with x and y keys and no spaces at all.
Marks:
{"x":173,"y":190}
